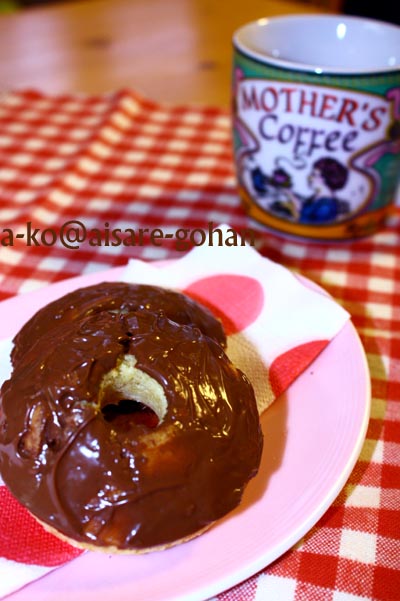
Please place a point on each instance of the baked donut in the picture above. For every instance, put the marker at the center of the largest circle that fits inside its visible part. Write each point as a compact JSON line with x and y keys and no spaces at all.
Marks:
{"x":122,"y":429}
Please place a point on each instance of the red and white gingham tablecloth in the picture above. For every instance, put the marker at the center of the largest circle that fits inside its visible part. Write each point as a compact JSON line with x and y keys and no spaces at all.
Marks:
{"x":120,"y":161}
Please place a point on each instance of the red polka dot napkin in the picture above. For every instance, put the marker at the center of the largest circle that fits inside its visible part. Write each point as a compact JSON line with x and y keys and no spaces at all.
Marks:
{"x":254,"y":297}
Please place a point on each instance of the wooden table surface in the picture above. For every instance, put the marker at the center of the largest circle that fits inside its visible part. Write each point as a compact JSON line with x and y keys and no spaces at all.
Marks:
{"x":174,"y":51}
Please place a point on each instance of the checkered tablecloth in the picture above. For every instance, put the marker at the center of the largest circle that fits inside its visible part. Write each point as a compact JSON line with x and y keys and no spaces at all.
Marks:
{"x":119,"y":161}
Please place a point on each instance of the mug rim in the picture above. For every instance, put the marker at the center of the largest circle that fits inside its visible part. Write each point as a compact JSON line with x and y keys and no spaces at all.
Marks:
{"x":319,"y":69}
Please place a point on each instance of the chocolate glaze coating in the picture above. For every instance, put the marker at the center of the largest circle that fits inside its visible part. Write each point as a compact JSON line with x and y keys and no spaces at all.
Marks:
{"x":109,"y":296}
{"x":120,"y":482}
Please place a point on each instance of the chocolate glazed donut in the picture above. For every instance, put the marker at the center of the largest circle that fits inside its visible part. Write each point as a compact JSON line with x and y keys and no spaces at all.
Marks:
{"x":75,"y":452}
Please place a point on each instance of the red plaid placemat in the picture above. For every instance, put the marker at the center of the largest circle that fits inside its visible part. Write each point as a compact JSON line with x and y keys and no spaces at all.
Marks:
{"x":121,"y":160}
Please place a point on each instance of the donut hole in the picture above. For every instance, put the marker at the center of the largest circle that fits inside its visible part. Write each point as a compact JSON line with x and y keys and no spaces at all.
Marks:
{"x":129,"y":393}
{"x":133,"y":411}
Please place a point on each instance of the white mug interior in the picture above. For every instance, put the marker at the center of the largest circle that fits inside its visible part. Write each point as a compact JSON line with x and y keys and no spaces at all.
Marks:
{"x":322,"y":43}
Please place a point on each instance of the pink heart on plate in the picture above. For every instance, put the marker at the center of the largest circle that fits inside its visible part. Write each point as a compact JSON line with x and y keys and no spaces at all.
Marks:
{"x":286,"y":367}
{"x":236,"y":299}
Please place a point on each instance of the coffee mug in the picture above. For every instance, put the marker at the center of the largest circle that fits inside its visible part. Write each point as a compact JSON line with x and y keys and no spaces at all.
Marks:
{"x":316,"y":123}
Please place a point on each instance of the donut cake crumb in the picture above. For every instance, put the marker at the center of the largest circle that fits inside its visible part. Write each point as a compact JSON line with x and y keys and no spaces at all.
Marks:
{"x":125,"y":381}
